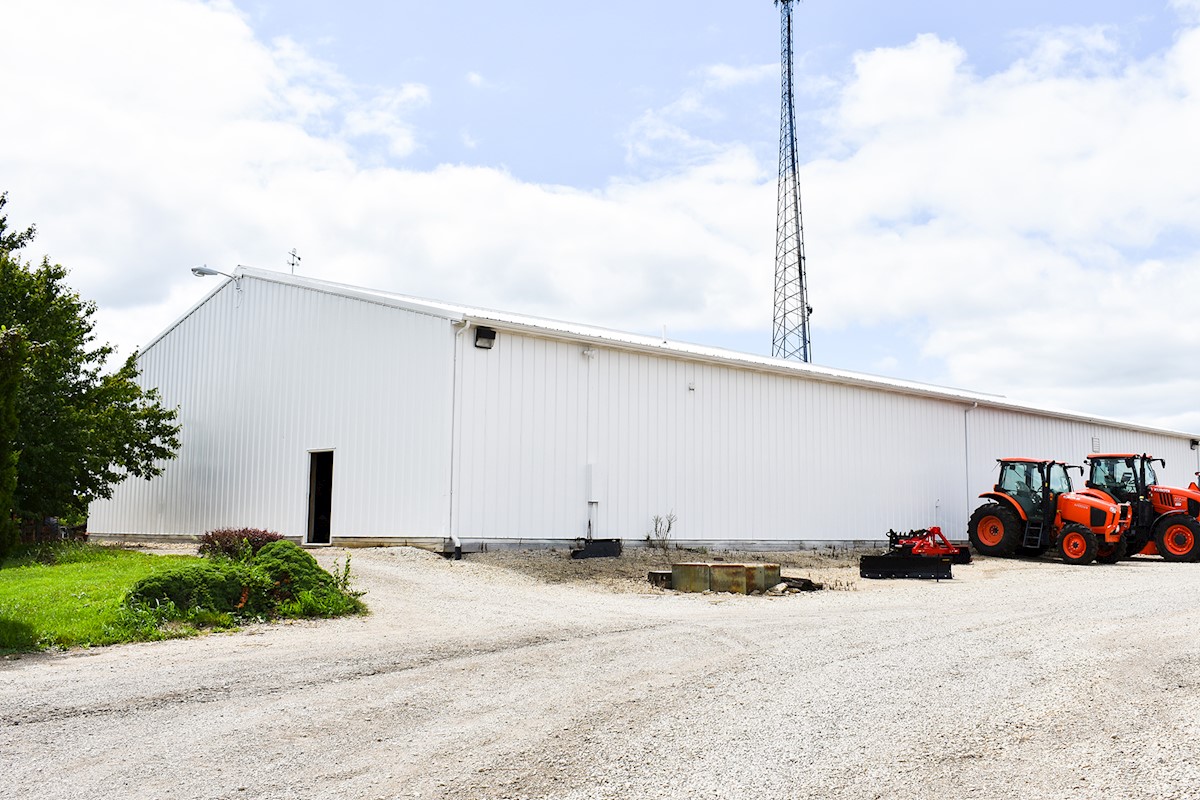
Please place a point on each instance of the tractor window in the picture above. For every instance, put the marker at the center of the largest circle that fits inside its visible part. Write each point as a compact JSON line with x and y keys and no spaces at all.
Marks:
{"x":1022,"y":481}
{"x":1115,"y":476}
{"x":1151,"y":477}
{"x":1123,"y":474}
{"x":1020,"y":478}
{"x":1012,"y":477}
{"x":1103,"y":474}
{"x":1060,"y":481}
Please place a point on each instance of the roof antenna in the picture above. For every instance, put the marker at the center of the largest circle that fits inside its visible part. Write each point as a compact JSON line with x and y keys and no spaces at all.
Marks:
{"x":293,"y":259}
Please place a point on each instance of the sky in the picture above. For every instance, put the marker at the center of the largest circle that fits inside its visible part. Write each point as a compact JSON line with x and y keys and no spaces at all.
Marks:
{"x":1000,"y":197}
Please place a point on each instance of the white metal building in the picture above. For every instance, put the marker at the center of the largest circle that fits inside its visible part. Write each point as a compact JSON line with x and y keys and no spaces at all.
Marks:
{"x":332,"y":413}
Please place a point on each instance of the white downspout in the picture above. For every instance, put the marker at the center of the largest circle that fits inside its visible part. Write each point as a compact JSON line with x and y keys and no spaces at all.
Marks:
{"x":463,"y":326}
{"x":967,"y":455}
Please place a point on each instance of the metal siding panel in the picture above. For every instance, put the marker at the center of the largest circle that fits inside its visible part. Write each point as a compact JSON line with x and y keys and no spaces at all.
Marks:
{"x":524,"y":451}
{"x":262,"y":376}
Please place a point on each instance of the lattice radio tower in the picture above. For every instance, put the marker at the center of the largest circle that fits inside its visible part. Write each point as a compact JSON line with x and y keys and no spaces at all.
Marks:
{"x":789,"y":333}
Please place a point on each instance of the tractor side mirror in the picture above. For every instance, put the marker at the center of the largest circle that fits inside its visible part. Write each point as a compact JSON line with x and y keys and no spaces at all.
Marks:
{"x":1075,"y":466}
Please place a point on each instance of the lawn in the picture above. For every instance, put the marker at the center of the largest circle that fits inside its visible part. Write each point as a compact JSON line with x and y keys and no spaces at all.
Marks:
{"x":76,"y":600}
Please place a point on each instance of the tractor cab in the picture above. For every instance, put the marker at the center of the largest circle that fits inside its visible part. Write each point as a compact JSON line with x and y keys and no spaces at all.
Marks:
{"x":1127,"y":478}
{"x":1034,"y":485}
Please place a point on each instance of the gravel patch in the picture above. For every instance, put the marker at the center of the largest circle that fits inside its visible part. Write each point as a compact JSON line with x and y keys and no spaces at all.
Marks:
{"x":528,"y":675}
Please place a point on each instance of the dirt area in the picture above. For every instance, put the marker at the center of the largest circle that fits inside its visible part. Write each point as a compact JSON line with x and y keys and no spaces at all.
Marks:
{"x":528,"y":675}
{"x":834,"y":569}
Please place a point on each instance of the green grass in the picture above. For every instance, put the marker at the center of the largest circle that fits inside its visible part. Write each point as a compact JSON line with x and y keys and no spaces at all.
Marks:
{"x":78,"y":598}
{"x":71,"y":594}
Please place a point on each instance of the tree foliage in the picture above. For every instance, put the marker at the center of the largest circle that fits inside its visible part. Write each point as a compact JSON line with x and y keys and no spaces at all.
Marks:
{"x":75,"y":431}
{"x":11,"y":242}
{"x":12,"y":359}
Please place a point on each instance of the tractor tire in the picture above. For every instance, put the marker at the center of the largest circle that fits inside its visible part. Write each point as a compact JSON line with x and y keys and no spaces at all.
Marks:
{"x":994,"y":530}
{"x":1077,"y":544}
{"x":1178,"y":538}
{"x":1135,"y":543}
{"x":1110,"y":553}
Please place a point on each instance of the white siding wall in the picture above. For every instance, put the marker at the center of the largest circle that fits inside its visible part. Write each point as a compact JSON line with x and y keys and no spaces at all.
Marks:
{"x":521,"y":440}
{"x":735,"y":454}
{"x":266,"y":375}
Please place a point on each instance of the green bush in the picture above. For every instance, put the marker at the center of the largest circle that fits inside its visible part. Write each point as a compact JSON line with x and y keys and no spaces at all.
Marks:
{"x":219,"y":586}
{"x":281,"y":580}
{"x":291,"y":570}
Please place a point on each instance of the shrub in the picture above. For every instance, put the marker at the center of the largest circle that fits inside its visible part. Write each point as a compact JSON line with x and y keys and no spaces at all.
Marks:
{"x":223,"y":587}
{"x":281,"y":580}
{"x":291,"y":570}
{"x":321,"y":603}
{"x":234,"y":542}
{"x":660,"y":537}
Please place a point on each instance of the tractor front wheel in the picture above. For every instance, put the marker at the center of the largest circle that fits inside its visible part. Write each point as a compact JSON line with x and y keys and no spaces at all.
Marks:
{"x":994,"y":530}
{"x":1178,"y":538}
{"x":1077,"y":544}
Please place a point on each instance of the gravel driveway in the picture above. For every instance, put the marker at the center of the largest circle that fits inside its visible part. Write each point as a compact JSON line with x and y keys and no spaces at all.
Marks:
{"x":472,"y":680}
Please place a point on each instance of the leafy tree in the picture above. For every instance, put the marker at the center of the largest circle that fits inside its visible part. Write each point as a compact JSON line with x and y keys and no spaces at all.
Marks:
{"x":12,"y":358}
{"x":78,"y":431}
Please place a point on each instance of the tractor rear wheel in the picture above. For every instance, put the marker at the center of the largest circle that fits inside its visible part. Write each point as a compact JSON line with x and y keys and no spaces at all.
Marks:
{"x":1110,"y":553}
{"x":994,"y":530}
{"x":1178,"y":538}
{"x":1077,"y":544}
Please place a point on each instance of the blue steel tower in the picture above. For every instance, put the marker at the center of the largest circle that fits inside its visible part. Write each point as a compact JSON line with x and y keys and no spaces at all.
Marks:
{"x":789,"y":333}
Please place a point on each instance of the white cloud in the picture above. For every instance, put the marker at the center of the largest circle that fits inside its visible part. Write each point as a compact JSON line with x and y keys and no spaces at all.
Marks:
{"x":238,"y":157}
{"x":384,"y":115}
{"x":1018,"y":214}
{"x":897,"y":85}
{"x":1017,"y":222}
{"x":724,"y":76}
{"x":1187,"y":9}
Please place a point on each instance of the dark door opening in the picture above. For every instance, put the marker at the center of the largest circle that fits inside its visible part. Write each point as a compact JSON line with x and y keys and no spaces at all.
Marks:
{"x":320,"y":496}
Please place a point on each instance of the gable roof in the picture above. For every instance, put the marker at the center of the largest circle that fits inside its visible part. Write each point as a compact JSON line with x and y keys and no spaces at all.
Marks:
{"x":588,"y":334}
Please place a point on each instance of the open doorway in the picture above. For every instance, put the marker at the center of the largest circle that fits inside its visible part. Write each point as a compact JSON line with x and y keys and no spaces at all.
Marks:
{"x":320,"y":495}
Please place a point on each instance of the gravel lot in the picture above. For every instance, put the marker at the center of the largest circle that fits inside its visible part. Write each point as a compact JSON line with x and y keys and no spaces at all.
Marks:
{"x":528,"y":675}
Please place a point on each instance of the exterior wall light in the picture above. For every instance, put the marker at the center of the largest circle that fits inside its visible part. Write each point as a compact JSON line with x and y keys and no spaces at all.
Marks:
{"x":485,"y":338}
{"x":204,"y":271}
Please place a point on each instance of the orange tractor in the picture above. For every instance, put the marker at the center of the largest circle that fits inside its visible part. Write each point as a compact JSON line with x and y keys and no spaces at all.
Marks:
{"x":1164,"y":517}
{"x":1033,"y":507}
